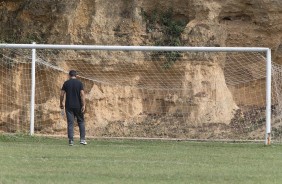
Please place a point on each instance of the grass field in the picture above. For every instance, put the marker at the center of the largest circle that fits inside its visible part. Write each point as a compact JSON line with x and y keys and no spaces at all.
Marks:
{"x":26,"y":159}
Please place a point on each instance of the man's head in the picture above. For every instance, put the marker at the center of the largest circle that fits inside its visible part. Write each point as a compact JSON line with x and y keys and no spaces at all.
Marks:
{"x":72,"y":73}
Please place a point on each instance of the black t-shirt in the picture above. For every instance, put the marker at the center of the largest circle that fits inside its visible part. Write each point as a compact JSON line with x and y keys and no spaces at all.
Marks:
{"x":72,"y":87}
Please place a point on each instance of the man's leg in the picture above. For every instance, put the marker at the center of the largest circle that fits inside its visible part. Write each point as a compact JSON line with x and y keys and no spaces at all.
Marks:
{"x":80,"y":120}
{"x":70,"y":120}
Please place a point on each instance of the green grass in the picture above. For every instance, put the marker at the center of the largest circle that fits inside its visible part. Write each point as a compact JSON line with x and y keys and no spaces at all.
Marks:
{"x":26,"y":159}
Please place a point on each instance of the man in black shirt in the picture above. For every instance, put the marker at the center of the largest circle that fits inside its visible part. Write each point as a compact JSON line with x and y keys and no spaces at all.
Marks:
{"x":74,"y":105}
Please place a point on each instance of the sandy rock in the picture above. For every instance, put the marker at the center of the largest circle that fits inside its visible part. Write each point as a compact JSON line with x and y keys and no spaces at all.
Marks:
{"x":112,"y":108}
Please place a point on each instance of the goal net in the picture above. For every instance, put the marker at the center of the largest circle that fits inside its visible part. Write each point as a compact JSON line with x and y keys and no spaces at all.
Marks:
{"x":151,"y":94}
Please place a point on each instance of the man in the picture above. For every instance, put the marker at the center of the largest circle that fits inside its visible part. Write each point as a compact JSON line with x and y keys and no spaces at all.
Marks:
{"x":74,"y":105}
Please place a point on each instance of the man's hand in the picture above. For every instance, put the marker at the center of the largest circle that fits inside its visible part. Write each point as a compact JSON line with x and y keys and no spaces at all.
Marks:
{"x":82,"y":100}
{"x":62,"y":96}
{"x":83,"y":108}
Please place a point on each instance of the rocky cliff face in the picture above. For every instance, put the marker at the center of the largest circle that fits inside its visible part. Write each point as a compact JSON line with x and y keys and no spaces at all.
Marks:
{"x":135,"y":22}
{"x":246,"y":22}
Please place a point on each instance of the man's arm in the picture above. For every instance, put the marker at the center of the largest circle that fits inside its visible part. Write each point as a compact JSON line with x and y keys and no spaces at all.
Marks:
{"x":62,"y":96}
{"x":82,"y":95}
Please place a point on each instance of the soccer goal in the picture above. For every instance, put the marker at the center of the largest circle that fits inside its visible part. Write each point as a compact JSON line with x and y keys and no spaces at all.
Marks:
{"x":196,"y":93}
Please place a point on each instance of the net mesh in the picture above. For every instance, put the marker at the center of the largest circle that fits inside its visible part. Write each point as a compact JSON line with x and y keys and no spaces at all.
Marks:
{"x":15,"y":67}
{"x":185,"y":95}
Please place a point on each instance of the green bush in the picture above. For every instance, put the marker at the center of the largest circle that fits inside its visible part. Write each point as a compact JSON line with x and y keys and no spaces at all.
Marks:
{"x":171,"y":29}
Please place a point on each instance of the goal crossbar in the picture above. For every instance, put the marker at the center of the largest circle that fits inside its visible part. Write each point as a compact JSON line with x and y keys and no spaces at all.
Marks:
{"x":135,"y":48}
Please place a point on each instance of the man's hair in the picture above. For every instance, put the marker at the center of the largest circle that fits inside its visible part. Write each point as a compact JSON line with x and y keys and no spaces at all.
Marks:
{"x":72,"y":73}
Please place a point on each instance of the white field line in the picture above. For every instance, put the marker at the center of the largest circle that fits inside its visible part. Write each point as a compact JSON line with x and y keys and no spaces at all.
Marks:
{"x":152,"y":138}
{"x":156,"y":138}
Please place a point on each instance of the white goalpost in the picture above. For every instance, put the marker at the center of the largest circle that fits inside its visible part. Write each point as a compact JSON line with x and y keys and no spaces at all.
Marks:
{"x":223,"y":93}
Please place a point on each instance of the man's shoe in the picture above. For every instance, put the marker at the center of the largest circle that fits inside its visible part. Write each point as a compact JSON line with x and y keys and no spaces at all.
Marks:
{"x":70,"y":142}
{"x":83,"y":142}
